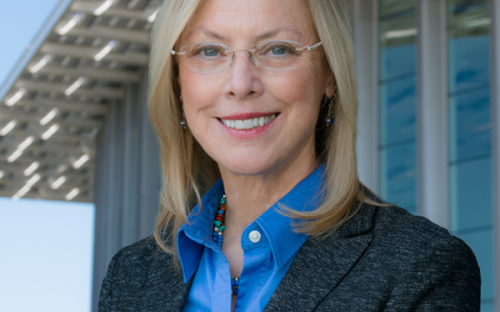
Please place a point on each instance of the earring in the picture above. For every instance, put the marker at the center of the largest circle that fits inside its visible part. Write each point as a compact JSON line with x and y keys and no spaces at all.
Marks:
{"x":183,"y":121}
{"x":329,"y":120}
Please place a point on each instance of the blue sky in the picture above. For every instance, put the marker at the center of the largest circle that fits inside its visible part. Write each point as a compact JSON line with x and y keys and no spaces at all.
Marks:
{"x":47,"y":251}
{"x":46,"y":246}
{"x":19,"y":23}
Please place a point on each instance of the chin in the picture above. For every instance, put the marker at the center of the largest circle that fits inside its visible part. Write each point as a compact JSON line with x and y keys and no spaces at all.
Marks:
{"x":246,"y":166}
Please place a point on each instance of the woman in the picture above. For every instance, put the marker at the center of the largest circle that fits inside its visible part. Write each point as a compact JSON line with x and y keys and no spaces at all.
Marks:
{"x":262,"y":94}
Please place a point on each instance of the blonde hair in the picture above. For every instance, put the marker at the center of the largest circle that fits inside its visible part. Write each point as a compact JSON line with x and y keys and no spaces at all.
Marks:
{"x":188,"y":171}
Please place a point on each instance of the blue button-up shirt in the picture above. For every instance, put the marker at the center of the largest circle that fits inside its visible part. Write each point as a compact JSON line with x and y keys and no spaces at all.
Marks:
{"x":265,"y":261}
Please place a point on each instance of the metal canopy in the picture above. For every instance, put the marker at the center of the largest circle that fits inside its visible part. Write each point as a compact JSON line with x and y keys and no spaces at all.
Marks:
{"x":55,"y":102}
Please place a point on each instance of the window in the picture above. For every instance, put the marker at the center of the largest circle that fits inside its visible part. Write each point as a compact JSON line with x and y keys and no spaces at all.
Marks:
{"x":397,"y":80}
{"x":470,"y":134}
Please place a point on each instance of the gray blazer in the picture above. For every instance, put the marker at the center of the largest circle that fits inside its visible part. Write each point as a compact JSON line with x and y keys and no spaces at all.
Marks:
{"x":382,"y":259}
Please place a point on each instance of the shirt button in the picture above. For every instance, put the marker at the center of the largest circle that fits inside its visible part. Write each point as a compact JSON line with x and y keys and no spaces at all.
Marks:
{"x":254,"y":236}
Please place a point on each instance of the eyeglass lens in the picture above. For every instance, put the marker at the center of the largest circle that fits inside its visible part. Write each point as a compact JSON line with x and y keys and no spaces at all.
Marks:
{"x":210,"y":57}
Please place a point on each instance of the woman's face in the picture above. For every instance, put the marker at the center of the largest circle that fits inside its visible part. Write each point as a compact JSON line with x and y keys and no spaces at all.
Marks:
{"x":243,"y":91}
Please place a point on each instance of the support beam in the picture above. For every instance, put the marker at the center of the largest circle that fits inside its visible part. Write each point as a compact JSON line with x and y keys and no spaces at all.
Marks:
{"x":92,"y":73}
{"x":90,"y":7}
{"x":432,"y":135}
{"x":111,"y":33}
{"x":62,"y":138}
{"x":108,"y":93}
{"x":53,"y":161}
{"x":132,"y":58}
{"x":17,"y":168}
{"x":65,"y":106}
{"x":365,"y":21}
{"x":46,"y":147}
{"x":87,"y":123}
{"x":99,"y":109}
{"x":62,"y":190}
{"x":35,"y":195}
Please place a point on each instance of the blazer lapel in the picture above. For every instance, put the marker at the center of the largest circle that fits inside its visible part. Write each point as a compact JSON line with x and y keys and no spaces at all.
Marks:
{"x":321,"y":264}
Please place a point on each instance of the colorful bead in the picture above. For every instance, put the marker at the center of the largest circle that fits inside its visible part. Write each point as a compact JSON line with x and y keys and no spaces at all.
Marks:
{"x":218,"y":236}
{"x":235,"y":283}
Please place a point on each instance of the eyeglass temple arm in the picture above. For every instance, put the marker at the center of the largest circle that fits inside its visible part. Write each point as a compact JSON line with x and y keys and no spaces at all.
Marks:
{"x":173,"y":52}
{"x":311,"y":47}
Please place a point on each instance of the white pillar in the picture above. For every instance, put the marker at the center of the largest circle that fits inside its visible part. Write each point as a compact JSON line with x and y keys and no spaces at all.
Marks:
{"x":128,"y":180}
{"x":365,"y":32}
{"x":432,"y":135}
{"x":495,"y":120}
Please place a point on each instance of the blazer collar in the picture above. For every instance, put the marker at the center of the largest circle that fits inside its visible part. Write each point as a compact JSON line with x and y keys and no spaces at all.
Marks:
{"x":321,"y":264}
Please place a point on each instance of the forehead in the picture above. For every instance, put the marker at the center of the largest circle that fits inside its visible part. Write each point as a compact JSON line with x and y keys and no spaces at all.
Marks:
{"x":234,"y":20}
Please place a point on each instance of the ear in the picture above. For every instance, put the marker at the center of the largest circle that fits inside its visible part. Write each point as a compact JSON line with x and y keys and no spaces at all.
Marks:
{"x":331,"y":85}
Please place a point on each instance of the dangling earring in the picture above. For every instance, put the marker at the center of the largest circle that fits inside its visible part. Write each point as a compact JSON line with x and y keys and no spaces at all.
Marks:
{"x":183,"y":121}
{"x":329,"y":120}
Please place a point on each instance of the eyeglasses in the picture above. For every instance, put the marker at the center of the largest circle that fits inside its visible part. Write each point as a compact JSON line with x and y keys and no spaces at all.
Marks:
{"x":214,"y":57}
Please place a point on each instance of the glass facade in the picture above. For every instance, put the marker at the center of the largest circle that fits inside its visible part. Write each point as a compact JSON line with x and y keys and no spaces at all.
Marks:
{"x":471,"y":214}
{"x":397,"y":89}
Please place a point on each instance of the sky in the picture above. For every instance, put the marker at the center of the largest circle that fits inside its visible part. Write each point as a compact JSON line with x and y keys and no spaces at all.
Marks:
{"x":46,"y":247}
{"x":20,"y":21}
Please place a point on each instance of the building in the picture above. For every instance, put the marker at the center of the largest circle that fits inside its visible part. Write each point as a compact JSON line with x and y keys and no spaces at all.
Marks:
{"x":74,"y":126}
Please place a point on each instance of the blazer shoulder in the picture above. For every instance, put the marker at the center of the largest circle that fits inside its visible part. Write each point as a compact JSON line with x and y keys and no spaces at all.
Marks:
{"x":134,"y":273}
{"x":420,"y":240}
{"x":138,"y":252}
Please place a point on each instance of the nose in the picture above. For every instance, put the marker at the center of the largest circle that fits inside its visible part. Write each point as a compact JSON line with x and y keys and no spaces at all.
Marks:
{"x":243,"y":78}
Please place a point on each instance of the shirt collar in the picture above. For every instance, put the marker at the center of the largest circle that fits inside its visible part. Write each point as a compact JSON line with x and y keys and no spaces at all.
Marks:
{"x":278,"y":228}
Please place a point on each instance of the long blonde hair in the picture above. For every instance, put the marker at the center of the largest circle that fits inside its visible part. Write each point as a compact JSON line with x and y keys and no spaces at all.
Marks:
{"x":188,"y":171}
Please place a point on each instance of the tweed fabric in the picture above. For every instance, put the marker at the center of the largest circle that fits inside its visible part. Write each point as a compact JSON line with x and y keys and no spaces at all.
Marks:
{"x":382,"y":259}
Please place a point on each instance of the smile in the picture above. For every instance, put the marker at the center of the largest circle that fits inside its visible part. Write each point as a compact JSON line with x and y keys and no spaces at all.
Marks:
{"x":248,"y":124}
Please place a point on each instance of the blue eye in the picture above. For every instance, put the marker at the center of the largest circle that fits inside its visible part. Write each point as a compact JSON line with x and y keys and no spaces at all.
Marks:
{"x":210,"y":52}
{"x":278,"y":51}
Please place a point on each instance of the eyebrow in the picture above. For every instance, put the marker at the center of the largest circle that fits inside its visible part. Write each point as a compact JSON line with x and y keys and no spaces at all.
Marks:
{"x":214,"y":35}
{"x":205,"y":32}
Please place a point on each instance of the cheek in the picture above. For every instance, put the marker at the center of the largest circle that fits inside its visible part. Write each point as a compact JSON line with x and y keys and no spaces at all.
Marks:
{"x":198,"y":92}
{"x":303,"y":87}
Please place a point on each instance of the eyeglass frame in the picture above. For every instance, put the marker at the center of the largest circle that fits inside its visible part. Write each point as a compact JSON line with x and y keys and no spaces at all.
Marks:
{"x":251,"y":50}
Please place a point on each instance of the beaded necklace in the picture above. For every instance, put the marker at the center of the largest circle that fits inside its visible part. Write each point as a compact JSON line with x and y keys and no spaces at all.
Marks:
{"x":218,"y":236}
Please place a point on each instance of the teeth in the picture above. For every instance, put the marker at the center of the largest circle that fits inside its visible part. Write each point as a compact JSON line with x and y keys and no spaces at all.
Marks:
{"x":255,"y":122}
{"x":248,"y":123}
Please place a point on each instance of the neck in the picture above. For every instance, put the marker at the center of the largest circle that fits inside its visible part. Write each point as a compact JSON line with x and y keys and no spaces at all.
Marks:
{"x":249,"y":196}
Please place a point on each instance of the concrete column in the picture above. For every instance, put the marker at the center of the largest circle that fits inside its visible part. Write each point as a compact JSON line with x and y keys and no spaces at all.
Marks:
{"x":432,"y":135}
{"x":107,"y":207}
{"x":495,"y":120}
{"x":128,"y":180}
{"x":150,"y":172}
{"x":364,"y":16}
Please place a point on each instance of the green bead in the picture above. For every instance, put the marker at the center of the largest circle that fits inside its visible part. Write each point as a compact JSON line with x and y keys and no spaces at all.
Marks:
{"x":222,"y":228}
{"x":222,"y":200}
{"x":217,"y":223}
